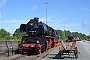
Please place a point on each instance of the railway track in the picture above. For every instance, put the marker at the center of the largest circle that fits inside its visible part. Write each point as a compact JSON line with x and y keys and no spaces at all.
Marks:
{"x":25,"y":57}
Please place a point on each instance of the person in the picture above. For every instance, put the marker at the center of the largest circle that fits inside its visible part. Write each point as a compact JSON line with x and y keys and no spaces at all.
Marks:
{"x":69,"y":37}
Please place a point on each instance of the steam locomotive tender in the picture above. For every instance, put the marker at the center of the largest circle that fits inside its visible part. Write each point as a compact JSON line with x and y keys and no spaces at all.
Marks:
{"x":40,"y":37}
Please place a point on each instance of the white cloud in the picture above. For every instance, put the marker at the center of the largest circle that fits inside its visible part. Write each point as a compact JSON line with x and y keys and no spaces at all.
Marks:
{"x":53,"y":22}
{"x":86,"y":9}
{"x":66,"y":25}
{"x":72,"y":25}
{"x":35,"y":7}
{"x":0,"y":14}
{"x":43,"y":19}
{"x":14,"y":21}
{"x":85,"y":24}
{"x":2,"y":3}
{"x":11,"y":25}
{"x":58,"y":23}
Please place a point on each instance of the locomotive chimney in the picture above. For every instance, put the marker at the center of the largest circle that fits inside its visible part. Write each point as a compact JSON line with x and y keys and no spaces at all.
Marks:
{"x":36,"y":19}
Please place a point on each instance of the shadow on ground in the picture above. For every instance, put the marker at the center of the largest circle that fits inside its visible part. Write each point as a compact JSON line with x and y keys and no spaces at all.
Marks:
{"x":57,"y":56}
{"x":22,"y":53}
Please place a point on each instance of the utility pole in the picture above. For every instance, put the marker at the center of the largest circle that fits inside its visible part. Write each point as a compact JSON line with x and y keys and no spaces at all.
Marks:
{"x":46,"y":10}
{"x":70,"y":31}
{"x":89,"y":34}
{"x":64,"y":30}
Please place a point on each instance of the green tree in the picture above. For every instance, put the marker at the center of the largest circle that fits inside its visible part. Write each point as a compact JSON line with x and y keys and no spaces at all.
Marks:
{"x":60,"y":33}
{"x":67,"y":33}
{"x":18,"y":35}
{"x":3,"y":33}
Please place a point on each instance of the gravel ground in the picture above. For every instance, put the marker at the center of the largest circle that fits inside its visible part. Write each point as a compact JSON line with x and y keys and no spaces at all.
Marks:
{"x":53,"y":55}
{"x":83,"y":52}
{"x":83,"y":48}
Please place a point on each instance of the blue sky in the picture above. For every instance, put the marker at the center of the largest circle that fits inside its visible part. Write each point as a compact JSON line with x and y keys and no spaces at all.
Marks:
{"x":75,"y":13}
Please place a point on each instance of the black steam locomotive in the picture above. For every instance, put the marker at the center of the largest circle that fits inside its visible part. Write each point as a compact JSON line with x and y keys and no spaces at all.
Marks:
{"x":40,"y":36}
